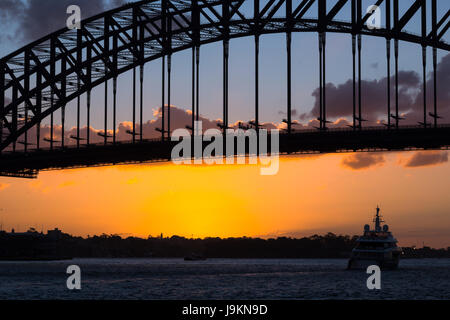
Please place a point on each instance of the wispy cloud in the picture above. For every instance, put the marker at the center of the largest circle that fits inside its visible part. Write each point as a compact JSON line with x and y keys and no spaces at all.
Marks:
{"x":360,"y":161}
{"x":424,"y":158}
{"x":180,"y":119}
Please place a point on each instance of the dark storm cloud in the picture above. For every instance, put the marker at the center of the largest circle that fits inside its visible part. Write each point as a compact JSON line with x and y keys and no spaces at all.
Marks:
{"x":43,"y":17}
{"x":10,"y":12}
{"x":117,"y":3}
{"x":359,"y":161}
{"x":37,"y":18}
{"x":425,"y":158}
{"x":294,"y":112}
{"x":443,"y":88}
{"x":340,"y":101}
{"x":10,"y":8}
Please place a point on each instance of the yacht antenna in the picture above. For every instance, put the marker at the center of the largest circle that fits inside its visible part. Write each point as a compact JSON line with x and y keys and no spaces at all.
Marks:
{"x":378,"y":219}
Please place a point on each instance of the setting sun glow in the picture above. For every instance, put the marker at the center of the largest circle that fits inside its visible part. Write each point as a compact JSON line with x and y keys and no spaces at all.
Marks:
{"x":310,"y":194}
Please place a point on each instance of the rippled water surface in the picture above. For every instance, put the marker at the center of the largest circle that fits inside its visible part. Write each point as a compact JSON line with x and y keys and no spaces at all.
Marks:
{"x":222,"y":279}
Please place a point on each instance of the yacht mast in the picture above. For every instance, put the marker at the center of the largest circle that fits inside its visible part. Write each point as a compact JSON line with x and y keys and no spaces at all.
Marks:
{"x":378,"y":220}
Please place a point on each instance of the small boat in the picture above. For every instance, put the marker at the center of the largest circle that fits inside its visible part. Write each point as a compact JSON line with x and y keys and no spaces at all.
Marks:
{"x":194,"y":257}
{"x":375,"y":247}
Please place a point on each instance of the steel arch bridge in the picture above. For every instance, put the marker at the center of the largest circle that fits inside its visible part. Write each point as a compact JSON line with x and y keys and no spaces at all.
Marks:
{"x":44,"y":76}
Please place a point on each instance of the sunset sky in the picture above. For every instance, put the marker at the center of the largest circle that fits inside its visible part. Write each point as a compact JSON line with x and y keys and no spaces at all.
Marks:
{"x":310,"y":194}
{"x":23,"y":21}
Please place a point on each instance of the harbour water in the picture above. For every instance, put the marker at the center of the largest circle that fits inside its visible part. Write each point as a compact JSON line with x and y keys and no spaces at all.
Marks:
{"x":222,"y":279}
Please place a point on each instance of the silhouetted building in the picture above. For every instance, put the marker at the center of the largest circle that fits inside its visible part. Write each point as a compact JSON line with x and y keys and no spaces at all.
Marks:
{"x":31,"y":233}
{"x":55,"y":234}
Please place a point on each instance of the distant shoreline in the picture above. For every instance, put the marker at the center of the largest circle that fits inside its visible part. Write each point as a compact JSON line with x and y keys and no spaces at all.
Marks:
{"x":189,"y":262}
{"x":56,"y":245}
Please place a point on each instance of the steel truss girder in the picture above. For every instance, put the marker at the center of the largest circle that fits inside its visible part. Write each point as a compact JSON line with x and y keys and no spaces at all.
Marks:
{"x":140,"y":26}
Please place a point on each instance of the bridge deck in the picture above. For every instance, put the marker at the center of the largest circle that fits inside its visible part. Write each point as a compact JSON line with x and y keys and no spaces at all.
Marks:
{"x":28,"y":164}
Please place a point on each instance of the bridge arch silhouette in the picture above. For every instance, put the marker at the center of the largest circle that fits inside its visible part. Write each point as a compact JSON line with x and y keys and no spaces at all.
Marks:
{"x":44,"y":76}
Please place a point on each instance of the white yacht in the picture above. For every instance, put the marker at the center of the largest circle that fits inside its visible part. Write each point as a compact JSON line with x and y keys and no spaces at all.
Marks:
{"x":375,"y":247}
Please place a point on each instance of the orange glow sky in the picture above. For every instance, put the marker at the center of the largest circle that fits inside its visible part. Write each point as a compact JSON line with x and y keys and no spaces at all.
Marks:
{"x":310,"y":194}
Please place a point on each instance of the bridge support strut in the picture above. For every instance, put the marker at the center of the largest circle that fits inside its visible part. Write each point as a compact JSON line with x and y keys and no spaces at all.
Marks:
{"x":105,"y":138}
{"x":193,"y":91}
{"x":114,"y":108}
{"x":169,"y":78}
{"x":88,"y":117}
{"x":163,"y":93}
{"x":388,"y":64}
{"x":435,"y":114}
{"x":354,"y":78}
{"x":197,"y":107}
{"x":289,"y":81}
{"x":359,"y":83}
{"x":396,"y":83}
{"x":257,"y":91}
{"x":226,"y":45}
{"x":424,"y":75}
{"x":141,"y":98}
{"x":322,"y":78}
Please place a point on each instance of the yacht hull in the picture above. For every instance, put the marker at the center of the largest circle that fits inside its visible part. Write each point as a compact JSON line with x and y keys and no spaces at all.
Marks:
{"x":359,"y":264}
